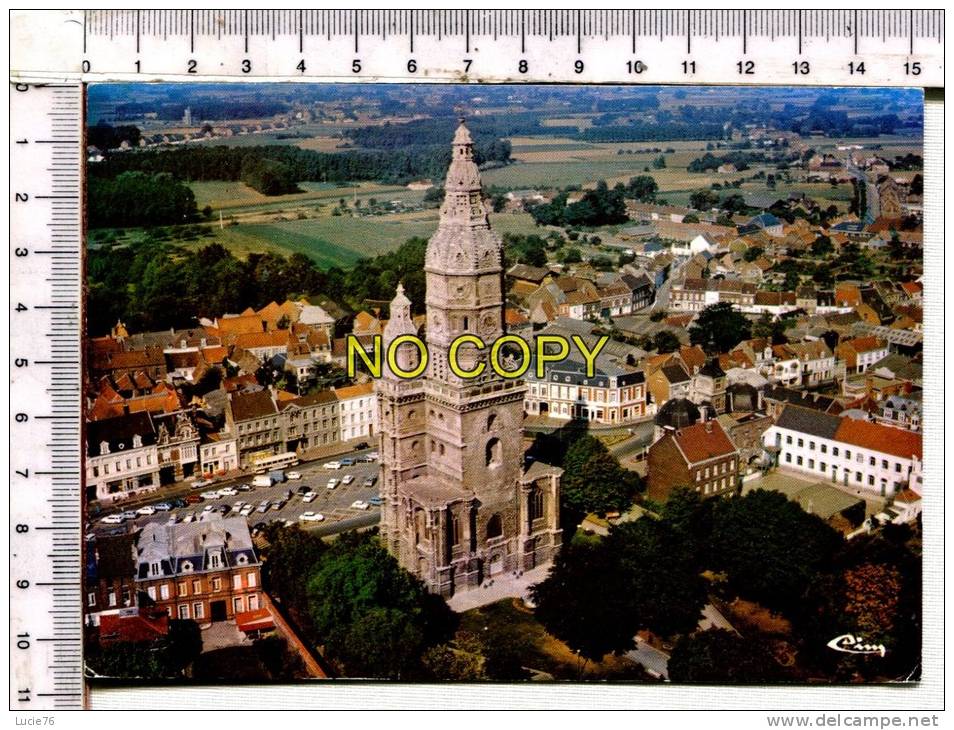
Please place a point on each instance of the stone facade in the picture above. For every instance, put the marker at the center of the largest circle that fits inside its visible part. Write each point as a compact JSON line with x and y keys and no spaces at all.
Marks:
{"x":459,"y":507}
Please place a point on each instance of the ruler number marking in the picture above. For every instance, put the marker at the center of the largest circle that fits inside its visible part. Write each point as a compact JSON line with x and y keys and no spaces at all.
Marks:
{"x":802,"y":68}
{"x":746,"y":68}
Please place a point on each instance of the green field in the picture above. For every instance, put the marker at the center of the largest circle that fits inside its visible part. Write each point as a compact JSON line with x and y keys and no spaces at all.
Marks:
{"x":328,"y":240}
{"x":228,"y":196}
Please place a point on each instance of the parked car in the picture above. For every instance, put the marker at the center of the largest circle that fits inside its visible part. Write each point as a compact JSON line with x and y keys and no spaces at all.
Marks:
{"x":311,"y":517}
{"x":262,"y":508}
{"x":259,"y":526}
{"x":376,"y":501}
{"x":200,"y":483}
{"x":348,"y":461}
{"x":331,"y":465}
{"x":293,"y":475}
{"x":362,"y":445}
{"x":359,"y":504}
{"x":278,"y":504}
{"x":309,"y":497}
{"x":146,"y":511}
{"x":163,"y":506}
{"x":247,"y":510}
{"x":210,"y":495}
{"x":245,"y":487}
{"x":112,"y":520}
{"x":193,"y":499}
{"x":190,"y":517}
{"x":223,"y":509}
{"x":332,"y":483}
{"x":347,"y":479}
{"x":304,"y":489}
{"x":263,"y":480}
{"x":228,"y":492}
{"x":237,"y":507}
{"x":373,"y":455}
{"x":128,"y":515}
{"x":370,"y":480}
{"x":178,"y":503}
{"x":172,"y":520}
{"x":208,"y":508}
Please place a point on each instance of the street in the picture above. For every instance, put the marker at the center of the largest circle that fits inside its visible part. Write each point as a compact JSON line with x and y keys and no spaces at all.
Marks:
{"x":334,"y":504}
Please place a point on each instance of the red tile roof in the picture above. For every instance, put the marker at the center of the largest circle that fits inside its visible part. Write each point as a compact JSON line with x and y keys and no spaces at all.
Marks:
{"x":886,"y":439}
{"x":141,"y":627}
{"x":703,"y":441}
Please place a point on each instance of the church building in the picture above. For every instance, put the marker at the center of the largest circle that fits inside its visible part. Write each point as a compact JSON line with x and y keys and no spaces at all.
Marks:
{"x":459,"y":505}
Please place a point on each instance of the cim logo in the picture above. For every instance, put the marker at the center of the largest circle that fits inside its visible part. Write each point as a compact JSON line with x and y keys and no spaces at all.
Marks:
{"x":851,"y":644}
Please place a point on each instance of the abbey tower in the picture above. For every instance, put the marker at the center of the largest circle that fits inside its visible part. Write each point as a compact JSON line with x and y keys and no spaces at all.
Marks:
{"x":459,"y":507}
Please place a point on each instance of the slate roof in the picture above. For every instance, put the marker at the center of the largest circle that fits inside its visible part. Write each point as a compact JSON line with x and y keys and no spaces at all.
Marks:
{"x":809,"y":421}
{"x":118,"y":432}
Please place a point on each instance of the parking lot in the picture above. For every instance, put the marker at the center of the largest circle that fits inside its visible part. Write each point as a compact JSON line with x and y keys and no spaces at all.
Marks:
{"x":335,"y":505}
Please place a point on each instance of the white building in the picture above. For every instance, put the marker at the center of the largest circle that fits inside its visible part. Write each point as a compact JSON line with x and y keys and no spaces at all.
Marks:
{"x":869,"y":458}
{"x":122,"y":460}
{"x":219,"y":453}
{"x":614,"y":394}
{"x":357,"y":409}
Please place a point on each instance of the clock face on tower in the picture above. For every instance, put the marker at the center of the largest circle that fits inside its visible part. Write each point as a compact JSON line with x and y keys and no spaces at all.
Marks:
{"x":488,"y":323}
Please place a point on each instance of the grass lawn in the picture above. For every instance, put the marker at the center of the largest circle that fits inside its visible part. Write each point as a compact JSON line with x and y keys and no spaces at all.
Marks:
{"x":545,"y":653}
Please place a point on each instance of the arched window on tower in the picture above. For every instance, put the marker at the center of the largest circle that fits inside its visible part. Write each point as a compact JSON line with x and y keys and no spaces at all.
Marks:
{"x":491,"y":421}
{"x":492,"y":453}
{"x":494,"y":527}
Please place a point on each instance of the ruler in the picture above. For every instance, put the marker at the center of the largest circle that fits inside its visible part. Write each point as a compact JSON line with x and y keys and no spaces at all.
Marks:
{"x":46,"y":617}
{"x":784,"y":47}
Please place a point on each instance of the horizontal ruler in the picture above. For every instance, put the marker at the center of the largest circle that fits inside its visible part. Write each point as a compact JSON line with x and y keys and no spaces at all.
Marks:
{"x":782,"y":47}
{"x":46,"y":521}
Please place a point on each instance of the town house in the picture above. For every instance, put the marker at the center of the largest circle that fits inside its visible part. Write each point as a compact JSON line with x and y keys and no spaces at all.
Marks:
{"x":254,"y":419}
{"x":206,"y":571}
{"x":701,"y":457}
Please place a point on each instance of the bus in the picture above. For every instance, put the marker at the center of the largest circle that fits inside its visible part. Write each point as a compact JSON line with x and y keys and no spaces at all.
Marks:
{"x":273,"y":463}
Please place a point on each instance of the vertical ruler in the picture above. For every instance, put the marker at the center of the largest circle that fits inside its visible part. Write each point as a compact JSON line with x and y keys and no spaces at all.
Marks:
{"x":46,"y":560}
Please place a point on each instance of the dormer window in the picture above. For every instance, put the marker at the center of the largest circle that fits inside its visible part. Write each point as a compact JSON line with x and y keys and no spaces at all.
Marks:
{"x":137,"y":441}
{"x":215,"y":560}
{"x":242,"y":559}
{"x":103,"y":447}
{"x":187,"y":567}
{"x":155,"y":569}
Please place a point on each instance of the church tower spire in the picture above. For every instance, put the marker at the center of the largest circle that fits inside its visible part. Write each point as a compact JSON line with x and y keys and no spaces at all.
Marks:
{"x":463,"y":263}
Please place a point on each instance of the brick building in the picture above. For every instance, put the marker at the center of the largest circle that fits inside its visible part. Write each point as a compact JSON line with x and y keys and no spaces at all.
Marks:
{"x":701,"y":457}
{"x":206,"y":570}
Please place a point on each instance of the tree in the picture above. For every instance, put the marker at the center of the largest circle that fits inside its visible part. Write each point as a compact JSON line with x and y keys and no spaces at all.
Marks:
{"x":703,"y":200}
{"x":665,"y":341}
{"x":593,"y":480}
{"x":659,"y":575}
{"x":822,"y":246}
{"x":582,"y":601}
{"x":719,"y":328}
{"x":770,"y":547}
{"x":773,"y":329}
{"x":719,"y":656}
{"x":292,"y":554}
{"x":642,"y":188}
{"x":572,"y":256}
{"x":659,"y":163}
{"x":752,"y":253}
{"x":358,"y":593}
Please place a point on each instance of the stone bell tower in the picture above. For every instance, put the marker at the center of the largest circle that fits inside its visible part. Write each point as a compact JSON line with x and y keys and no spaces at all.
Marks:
{"x":459,"y":506}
